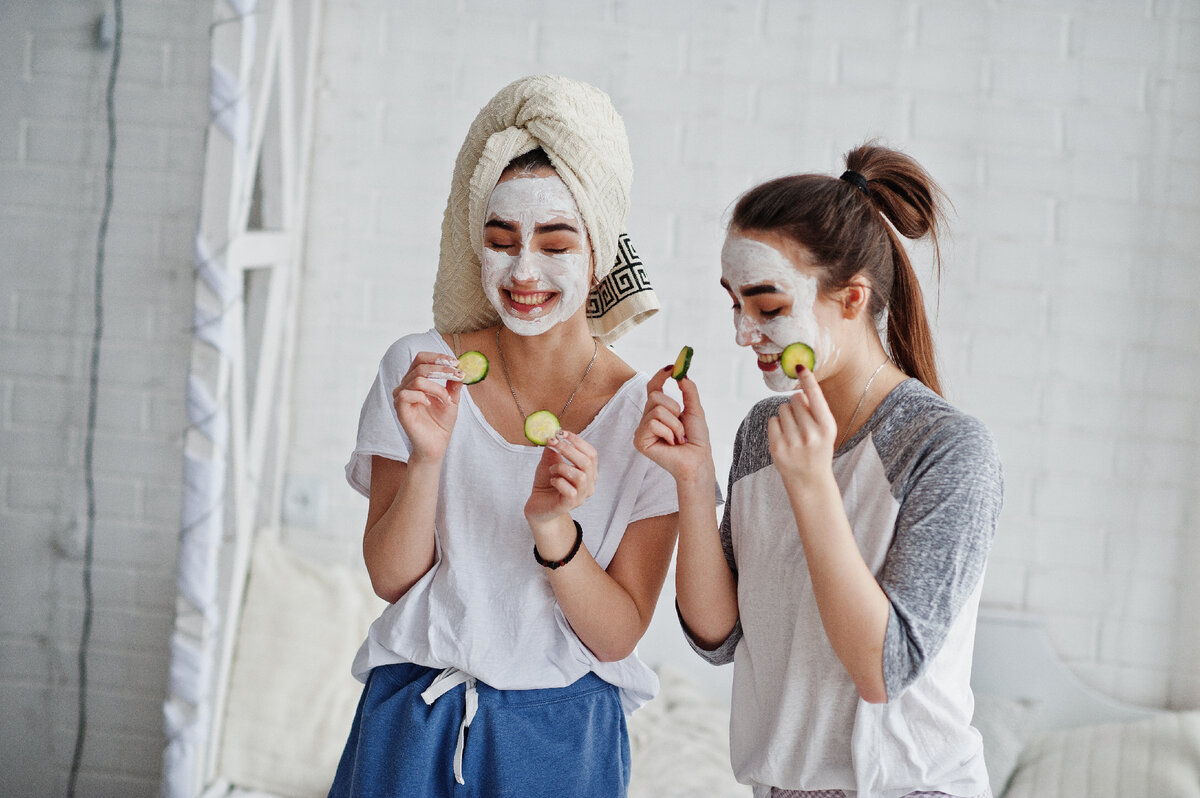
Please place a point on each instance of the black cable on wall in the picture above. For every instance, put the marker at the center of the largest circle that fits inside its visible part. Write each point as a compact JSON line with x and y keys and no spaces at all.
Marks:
{"x":93,"y":394}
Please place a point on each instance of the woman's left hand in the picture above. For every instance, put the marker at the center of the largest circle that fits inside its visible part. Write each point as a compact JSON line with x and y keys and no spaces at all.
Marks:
{"x":802,"y":434}
{"x":564,"y":479}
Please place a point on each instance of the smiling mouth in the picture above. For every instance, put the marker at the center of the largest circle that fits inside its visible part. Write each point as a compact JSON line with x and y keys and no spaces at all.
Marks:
{"x":526,"y":301}
{"x":768,"y":361}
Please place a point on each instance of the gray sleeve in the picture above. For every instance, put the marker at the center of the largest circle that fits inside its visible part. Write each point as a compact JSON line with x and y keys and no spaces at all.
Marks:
{"x":949,"y":503}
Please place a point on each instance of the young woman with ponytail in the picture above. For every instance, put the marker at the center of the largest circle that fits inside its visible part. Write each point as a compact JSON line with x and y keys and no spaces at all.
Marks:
{"x":844,"y":578}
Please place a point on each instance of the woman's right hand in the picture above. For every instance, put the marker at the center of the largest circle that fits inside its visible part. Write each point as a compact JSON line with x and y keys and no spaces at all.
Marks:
{"x":675,"y":437}
{"x":426,"y":408}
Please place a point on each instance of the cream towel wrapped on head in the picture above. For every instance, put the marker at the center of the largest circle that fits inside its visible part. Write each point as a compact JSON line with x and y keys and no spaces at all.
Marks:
{"x":583,"y":135}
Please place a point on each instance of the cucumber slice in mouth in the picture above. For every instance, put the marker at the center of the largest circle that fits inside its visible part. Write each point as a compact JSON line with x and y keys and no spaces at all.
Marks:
{"x":541,"y":426}
{"x":682,"y":362}
{"x":474,"y":366}
{"x":794,"y":356}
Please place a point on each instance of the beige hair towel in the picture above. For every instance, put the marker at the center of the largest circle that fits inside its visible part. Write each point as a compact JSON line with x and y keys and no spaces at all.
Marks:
{"x":579,"y":129}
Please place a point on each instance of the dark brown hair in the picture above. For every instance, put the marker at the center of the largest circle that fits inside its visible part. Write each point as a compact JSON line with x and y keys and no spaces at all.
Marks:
{"x":844,"y":229}
{"x":529,"y":162}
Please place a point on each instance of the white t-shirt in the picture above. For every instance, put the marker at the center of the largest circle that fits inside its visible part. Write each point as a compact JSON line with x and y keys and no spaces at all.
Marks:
{"x":486,"y":607}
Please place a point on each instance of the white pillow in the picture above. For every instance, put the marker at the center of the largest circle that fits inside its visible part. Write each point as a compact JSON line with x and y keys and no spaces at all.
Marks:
{"x":679,"y":744}
{"x":1005,"y":725}
{"x":1153,"y":758}
{"x":291,"y":696}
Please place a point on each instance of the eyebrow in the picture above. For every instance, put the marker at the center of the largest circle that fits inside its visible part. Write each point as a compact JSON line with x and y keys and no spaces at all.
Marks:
{"x":555,"y":227}
{"x":752,"y":290}
{"x":541,"y":228}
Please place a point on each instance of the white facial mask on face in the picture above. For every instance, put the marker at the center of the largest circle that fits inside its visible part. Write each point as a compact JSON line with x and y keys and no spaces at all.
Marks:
{"x":528,"y":202}
{"x":746,"y":262}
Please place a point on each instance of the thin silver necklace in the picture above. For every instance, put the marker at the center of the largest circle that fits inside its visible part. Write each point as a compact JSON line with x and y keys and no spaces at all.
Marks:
{"x":571,"y":398}
{"x":861,"y":399}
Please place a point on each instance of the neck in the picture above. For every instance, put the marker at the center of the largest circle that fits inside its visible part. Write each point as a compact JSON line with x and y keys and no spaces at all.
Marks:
{"x":545,"y":369}
{"x":845,"y":389}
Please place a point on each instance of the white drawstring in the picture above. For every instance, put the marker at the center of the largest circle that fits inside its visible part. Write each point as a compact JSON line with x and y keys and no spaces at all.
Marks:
{"x":446,"y":681}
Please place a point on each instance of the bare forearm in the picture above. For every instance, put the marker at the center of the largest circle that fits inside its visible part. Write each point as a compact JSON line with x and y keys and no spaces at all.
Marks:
{"x":603,"y":615}
{"x":609,"y":609}
{"x":704,"y":585}
{"x":854,"y":609}
{"x":399,"y":546}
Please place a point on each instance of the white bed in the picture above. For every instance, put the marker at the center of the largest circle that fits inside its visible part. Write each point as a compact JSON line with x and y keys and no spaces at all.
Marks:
{"x":1046,"y":735}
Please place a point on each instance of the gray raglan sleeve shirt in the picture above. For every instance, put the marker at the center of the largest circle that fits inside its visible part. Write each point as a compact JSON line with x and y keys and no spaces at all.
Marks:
{"x":945,"y":473}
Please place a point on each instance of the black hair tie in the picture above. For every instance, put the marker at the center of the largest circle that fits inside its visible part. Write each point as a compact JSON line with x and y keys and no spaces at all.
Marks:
{"x":858,"y":181}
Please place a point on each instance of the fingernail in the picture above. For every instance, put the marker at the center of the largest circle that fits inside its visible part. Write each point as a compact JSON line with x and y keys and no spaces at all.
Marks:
{"x":667,"y":367}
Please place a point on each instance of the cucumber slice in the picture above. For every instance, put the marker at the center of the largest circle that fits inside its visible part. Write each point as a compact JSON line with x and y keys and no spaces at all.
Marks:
{"x":682,"y":362}
{"x":793,"y":356}
{"x":541,"y":426}
{"x":474,"y":365}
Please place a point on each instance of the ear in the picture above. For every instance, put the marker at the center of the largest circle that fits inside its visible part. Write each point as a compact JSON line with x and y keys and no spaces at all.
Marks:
{"x":855,"y":298}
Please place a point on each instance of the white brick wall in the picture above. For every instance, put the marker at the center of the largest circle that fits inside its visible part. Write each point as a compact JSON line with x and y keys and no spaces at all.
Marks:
{"x":1064,"y":131}
{"x":52,"y":149}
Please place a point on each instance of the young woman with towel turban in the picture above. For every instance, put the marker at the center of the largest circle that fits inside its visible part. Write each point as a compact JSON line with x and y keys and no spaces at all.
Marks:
{"x":519,"y":578}
{"x":844,"y":579}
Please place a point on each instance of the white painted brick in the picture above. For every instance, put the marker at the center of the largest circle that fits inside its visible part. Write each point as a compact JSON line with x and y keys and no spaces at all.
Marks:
{"x":1086,"y":221}
{"x":716,"y":55}
{"x":1064,"y":497}
{"x":737,"y":19}
{"x":787,"y":21}
{"x":1056,"y":591}
{"x":45,"y":187}
{"x":1081,"y":454}
{"x":1104,"y":318}
{"x":1069,"y":545}
{"x":1036,"y":79}
{"x":1038,"y":30}
{"x":1077,"y":407}
{"x":1122,"y":37}
{"x":1162,"y":372}
{"x":1150,"y":600}
{"x":1144,"y":554}
{"x":1004,"y":583}
{"x":68,"y":54}
{"x":1001,"y":126}
{"x":1189,"y":41}
{"x":1113,"y":85}
{"x":850,"y":116}
{"x":946,"y":25}
{"x":36,"y":355}
{"x":1107,"y":132}
{"x":871,"y":20}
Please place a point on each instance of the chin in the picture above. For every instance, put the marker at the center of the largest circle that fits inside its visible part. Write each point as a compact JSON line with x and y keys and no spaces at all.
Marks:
{"x":779,"y":382}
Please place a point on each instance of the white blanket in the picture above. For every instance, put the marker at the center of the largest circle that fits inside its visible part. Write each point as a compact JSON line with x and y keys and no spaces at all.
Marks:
{"x":292,"y":698}
{"x":1154,"y":758}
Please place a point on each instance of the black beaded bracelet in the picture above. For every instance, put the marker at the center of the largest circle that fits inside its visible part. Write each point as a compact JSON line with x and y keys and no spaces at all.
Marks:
{"x":552,"y":564}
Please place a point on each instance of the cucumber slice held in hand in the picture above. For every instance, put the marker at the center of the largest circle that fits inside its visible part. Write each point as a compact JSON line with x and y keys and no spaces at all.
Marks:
{"x":541,"y":426}
{"x":682,"y":362}
{"x":794,"y":356}
{"x":474,"y":366}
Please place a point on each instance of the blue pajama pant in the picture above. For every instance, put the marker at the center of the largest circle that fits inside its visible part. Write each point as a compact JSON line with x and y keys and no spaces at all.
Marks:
{"x":553,"y":742}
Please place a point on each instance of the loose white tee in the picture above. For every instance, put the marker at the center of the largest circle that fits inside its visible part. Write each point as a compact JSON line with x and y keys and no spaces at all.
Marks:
{"x":922,"y":486}
{"x":486,"y":607}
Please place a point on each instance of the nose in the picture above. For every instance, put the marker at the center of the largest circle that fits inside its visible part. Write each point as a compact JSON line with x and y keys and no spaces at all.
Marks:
{"x":746,"y":332}
{"x":523,"y":267}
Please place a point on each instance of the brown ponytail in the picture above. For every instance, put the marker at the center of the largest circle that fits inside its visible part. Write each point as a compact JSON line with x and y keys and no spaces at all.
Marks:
{"x":843,"y":226}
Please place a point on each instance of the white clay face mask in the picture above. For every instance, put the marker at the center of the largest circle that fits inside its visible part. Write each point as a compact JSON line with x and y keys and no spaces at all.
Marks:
{"x":532,"y":290}
{"x":746,"y":262}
